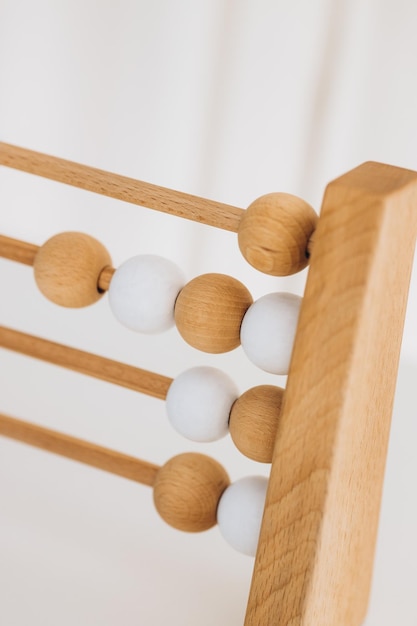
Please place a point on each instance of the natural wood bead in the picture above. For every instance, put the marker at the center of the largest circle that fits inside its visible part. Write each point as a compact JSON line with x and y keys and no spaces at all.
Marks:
{"x":67,"y":269}
{"x":209,"y":311}
{"x":254,"y":421}
{"x":187,"y":490}
{"x":274,"y":233}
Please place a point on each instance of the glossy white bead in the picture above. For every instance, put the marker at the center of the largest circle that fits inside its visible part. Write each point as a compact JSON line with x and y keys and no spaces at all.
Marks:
{"x":199,"y":402}
{"x":143,"y":291}
{"x":239,"y":513}
{"x":268,"y":331}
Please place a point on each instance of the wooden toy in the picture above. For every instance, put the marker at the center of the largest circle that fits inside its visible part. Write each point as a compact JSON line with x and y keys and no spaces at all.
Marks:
{"x":326,"y":434}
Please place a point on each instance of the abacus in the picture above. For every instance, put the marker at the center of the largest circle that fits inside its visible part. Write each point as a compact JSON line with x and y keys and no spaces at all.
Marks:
{"x":313,"y":524}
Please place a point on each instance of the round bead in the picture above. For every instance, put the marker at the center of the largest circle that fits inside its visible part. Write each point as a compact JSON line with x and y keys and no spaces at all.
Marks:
{"x":187,"y":491}
{"x":143,"y":291}
{"x":274,"y":233}
{"x":209,"y":312}
{"x":198,"y":403}
{"x":239,"y":514}
{"x":254,"y":421}
{"x":67,"y":268}
{"x":268,"y":331}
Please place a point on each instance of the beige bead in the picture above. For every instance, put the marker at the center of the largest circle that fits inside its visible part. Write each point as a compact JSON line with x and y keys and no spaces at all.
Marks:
{"x":254,"y":421}
{"x":209,"y":311}
{"x":187,"y":490}
{"x":274,"y":233}
{"x":67,"y":269}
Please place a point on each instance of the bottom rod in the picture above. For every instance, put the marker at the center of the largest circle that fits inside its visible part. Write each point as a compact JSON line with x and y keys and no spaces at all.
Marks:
{"x":79,"y":450}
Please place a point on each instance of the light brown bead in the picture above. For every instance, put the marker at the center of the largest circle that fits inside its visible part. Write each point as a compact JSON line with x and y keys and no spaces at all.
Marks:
{"x":274,"y":233}
{"x":67,"y":269}
{"x":187,"y":490}
{"x":254,"y":421}
{"x":209,"y":312}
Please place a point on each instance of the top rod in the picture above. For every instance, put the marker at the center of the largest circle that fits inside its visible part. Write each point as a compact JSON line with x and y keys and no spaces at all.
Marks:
{"x":120,"y":187}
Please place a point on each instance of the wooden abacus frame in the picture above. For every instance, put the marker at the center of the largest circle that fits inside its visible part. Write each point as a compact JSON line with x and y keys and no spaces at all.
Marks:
{"x":315,"y":553}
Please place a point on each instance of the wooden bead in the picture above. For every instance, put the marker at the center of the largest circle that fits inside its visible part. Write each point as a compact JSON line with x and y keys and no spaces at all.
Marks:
{"x":254,"y":421}
{"x":187,"y":490}
{"x":209,"y":311}
{"x":67,"y":268}
{"x":274,"y":233}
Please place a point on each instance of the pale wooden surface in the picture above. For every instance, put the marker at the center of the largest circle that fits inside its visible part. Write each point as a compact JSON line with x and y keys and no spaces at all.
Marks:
{"x":130,"y":190}
{"x":111,"y":371}
{"x":67,"y":269}
{"x":187,"y":491}
{"x":78,"y":450}
{"x":209,"y":312}
{"x":315,"y":555}
{"x":274,"y":233}
{"x":16,"y":250}
{"x":24,"y":252}
{"x":254,"y":421}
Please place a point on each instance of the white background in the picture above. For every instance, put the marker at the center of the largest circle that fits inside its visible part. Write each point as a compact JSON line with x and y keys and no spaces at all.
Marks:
{"x":228,"y":100}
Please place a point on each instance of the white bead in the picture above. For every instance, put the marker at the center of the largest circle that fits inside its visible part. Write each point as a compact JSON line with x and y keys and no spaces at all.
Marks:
{"x":239,"y":513}
{"x":199,"y":402}
{"x":268,"y":331}
{"x":143,"y":291}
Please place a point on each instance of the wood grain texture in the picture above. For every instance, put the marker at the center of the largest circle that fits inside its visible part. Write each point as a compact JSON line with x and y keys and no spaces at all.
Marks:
{"x":123,"y":188}
{"x":316,"y":549}
{"x":24,"y":252}
{"x":253,"y":422}
{"x":79,"y":450}
{"x":16,"y":250}
{"x":67,"y":269}
{"x":134,"y":378}
{"x":187,"y":491}
{"x":209,"y":312}
{"x":274,"y":233}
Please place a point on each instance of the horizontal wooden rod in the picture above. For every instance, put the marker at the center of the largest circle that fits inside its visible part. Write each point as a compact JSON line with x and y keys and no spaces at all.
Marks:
{"x":23,"y":252}
{"x":123,"y":188}
{"x":16,"y":250}
{"x":128,"y":376}
{"x":79,"y":450}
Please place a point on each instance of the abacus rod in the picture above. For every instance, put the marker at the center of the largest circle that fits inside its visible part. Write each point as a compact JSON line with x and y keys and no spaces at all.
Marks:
{"x":128,"y":376}
{"x":123,"y":188}
{"x":79,"y":450}
{"x":16,"y":250}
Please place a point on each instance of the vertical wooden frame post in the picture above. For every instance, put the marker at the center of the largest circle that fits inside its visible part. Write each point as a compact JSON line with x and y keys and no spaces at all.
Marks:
{"x":315,"y":555}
